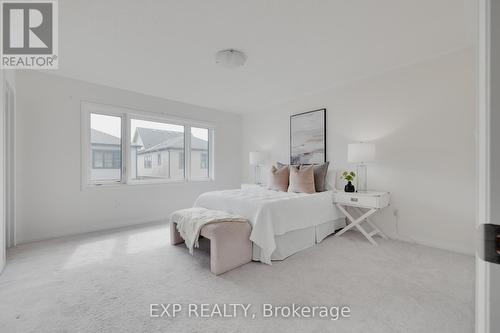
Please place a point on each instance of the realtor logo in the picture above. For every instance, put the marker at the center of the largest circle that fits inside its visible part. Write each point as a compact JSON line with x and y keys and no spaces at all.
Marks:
{"x":29,"y":34}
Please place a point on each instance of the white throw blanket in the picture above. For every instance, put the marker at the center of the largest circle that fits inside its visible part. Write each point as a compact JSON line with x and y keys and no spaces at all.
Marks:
{"x":190,"y":221}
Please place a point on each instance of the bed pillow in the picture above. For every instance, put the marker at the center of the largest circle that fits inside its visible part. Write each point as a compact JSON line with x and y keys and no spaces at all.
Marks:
{"x":280,"y":165}
{"x":279,"y":178}
{"x":302,"y":179}
{"x":320,"y":171}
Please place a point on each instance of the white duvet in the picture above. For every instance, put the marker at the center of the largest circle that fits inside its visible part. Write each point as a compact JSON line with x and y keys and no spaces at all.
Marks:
{"x":272,"y":213}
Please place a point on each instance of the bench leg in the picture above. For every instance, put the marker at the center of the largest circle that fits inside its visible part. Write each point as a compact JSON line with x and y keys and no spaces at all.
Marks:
{"x":175,"y":236}
{"x":229,"y":248}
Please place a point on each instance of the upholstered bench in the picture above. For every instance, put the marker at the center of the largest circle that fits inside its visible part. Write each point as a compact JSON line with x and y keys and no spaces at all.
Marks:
{"x":230,"y":244}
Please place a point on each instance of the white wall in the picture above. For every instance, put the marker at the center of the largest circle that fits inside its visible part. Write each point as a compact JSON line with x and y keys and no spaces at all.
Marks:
{"x":50,"y":200}
{"x":421,"y":118}
{"x":6,"y":77}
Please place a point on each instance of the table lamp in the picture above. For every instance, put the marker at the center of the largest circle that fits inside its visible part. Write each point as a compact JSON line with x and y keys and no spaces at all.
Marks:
{"x":257,"y":158}
{"x":361,"y":153}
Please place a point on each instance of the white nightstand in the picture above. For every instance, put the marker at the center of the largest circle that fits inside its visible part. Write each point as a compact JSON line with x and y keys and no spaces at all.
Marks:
{"x":371,"y":201}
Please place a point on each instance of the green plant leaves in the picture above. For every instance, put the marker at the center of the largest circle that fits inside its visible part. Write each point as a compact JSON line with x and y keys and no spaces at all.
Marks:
{"x":348,"y":175}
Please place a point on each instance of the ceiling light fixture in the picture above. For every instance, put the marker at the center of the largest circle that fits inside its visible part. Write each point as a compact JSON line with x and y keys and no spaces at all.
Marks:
{"x":230,"y":58}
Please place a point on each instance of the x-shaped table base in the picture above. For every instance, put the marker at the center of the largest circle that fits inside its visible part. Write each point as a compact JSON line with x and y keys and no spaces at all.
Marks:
{"x":364,"y":217}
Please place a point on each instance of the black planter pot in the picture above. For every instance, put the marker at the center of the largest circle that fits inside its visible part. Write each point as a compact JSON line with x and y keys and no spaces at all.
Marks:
{"x":349,"y":187}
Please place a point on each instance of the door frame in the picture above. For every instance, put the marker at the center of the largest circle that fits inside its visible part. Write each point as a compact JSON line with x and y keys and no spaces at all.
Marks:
{"x":483,"y":160}
{"x":9,"y":167}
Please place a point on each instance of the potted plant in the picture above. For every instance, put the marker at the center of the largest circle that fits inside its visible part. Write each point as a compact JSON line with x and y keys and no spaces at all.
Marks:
{"x":349,"y":176}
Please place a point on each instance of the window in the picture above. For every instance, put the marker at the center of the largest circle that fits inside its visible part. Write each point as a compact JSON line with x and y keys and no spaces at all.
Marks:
{"x":105,"y":148}
{"x":199,"y":153}
{"x":153,"y":138}
{"x":106,"y":159}
{"x":148,"y":162}
{"x":97,"y":159}
{"x":158,"y":149}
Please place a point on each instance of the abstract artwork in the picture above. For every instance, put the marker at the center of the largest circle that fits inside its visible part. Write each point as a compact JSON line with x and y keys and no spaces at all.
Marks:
{"x":308,"y":137}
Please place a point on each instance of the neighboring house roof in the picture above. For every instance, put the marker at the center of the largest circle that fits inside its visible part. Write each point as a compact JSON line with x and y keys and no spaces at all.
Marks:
{"x":152,"y":137}
{"x":155,"y":140}
{"x":197,"y":143}
{"x":98,"y":137}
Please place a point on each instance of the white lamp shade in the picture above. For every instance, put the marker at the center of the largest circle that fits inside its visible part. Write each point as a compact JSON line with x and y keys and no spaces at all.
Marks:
{"x":257,"y":158}
{"x":360,"y":152}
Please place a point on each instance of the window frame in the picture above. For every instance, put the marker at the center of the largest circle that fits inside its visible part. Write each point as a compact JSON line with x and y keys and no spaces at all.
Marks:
{"x":157,"y":118}
{"x":127,"y":114}
{"x":87,"y":146}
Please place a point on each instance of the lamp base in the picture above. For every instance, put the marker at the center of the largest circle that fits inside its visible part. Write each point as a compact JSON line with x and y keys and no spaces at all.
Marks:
{"x":257,"y":176}
{"x":361,"y":178}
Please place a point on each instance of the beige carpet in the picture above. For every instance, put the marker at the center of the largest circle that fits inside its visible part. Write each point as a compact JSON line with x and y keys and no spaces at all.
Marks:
{"x":105,"y":282}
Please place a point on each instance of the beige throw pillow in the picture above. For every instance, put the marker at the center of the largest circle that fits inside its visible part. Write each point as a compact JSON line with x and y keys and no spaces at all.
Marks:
{"x":320,"y":172}
{"x":302,"y":180}
{"x":279,"y":178}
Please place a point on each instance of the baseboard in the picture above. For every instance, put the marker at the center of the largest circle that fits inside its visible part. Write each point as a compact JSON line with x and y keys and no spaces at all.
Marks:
{"x":113,"y":228}
{"x":436,"y":245}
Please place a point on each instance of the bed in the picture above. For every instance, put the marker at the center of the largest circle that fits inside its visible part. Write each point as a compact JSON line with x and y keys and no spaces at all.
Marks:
{"x":282,"y":223}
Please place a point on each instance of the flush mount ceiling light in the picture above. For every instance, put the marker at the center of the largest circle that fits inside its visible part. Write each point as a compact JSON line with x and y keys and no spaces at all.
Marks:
{"x":230,"y":58}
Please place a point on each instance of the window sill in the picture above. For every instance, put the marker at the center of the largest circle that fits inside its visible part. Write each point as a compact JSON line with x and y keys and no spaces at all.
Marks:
{"x":143,"y":183}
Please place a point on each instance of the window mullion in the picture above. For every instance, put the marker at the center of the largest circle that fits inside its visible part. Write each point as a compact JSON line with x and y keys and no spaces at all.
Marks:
{"x":126,"y":155}
{"x":211,"y":174}
{"x":187,"y":152}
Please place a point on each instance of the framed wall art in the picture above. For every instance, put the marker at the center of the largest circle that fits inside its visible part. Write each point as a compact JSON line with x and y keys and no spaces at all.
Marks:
{"x":308,"y":137}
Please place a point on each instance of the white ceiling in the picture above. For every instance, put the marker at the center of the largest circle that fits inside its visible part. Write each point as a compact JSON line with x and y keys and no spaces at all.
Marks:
{"x":294,"y":47}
